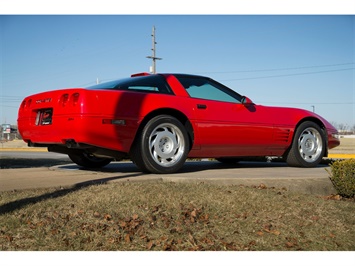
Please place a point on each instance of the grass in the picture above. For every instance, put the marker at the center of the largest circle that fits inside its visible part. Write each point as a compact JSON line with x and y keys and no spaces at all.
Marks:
{"x":173,"y":216}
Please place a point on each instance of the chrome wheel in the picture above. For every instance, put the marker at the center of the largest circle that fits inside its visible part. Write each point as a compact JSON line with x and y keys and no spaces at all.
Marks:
{"x":310,"y":145}
{"x":166,"y":144}
{"x":162,"y":146}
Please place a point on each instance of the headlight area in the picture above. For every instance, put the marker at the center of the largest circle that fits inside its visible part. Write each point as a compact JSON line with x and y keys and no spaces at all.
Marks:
{"x":333,"y":139}
{"x":335,"y":135}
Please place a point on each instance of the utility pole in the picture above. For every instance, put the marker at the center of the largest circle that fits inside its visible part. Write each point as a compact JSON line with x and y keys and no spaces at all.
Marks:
{"x":153,"y":57}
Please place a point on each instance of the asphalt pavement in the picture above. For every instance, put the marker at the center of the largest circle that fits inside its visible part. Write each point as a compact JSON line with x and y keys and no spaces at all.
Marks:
{"x":278,"y":175}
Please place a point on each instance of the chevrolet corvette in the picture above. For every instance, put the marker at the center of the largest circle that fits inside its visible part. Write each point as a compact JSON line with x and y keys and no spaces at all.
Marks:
{"x":160,"y":120}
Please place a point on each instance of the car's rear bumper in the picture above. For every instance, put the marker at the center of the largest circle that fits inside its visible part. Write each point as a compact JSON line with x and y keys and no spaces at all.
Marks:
{"x":89,"y":129}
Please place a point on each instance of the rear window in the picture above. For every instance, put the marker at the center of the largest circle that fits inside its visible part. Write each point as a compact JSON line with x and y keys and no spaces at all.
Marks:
{"x":151,"y":84}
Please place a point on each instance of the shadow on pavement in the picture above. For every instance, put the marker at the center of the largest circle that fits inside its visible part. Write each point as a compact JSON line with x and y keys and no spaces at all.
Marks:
{"x":18,"y":204}
{"x":189,"y":166}
{"x":16,"y":163}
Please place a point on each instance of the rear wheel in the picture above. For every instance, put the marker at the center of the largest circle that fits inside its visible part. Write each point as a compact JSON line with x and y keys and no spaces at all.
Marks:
{"x":162,"y":146}
{"x":88,"y":160}
{"x":308,"y":146}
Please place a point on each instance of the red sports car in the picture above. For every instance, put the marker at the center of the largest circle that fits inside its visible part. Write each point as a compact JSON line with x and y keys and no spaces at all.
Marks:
{"x":160,"y":120}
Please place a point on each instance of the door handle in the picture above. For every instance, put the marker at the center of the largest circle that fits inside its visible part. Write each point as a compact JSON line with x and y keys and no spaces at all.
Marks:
{"x":201,"y":106}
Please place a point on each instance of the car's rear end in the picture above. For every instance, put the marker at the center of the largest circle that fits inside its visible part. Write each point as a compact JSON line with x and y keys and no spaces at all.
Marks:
{"x":73,"y":117}
{"x":46,"y":118}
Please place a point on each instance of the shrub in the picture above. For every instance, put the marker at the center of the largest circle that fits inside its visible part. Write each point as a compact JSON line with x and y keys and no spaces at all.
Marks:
{"x":342,"y":175}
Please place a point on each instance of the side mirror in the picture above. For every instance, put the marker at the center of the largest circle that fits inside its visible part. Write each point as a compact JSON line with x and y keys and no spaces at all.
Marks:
{"x":246,"y":101}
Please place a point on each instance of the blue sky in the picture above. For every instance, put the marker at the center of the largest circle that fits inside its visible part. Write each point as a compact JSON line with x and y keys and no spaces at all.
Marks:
{"x":288,"y":60}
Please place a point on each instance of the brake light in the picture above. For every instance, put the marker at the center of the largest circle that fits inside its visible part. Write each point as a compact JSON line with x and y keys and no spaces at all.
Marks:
{"x":64,"y":99}
{"x":75,"y":98}
{"x":72,"y":99}
{"x":140,"y":74}
{"x":23,"y":104}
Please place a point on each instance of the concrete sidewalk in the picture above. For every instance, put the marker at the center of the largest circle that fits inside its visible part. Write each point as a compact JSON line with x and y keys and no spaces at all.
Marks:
{"x":278,"y":175}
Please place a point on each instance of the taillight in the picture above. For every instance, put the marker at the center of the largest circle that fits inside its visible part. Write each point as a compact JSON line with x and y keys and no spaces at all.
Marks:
{"x":23,"y":104}
{"x":64,"y":99}
{"x":75,"y":98}
{"x":71,"y":99}
{"x":26,"y":104}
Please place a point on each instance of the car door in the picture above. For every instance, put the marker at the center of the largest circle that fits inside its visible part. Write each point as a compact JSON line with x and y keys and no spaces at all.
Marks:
{"x":225,"y":125}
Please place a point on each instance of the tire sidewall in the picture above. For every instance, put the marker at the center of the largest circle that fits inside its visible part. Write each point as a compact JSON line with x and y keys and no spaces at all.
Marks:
{"x":294,"y":157}
{"x":149,"y":162}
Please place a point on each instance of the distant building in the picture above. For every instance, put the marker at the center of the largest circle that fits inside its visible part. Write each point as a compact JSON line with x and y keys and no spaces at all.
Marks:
{"x":9,"y":132}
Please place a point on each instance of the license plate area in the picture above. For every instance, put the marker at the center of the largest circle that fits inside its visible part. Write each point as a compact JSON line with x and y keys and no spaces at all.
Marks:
{"x":44,"y":117}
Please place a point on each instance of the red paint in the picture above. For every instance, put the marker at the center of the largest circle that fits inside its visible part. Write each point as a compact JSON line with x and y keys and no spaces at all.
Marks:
{"x":219,"y":128}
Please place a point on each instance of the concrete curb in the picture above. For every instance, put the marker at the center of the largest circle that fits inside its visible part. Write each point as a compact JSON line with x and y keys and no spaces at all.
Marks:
{"x":313,"y":181}
{"x":313,"y":186}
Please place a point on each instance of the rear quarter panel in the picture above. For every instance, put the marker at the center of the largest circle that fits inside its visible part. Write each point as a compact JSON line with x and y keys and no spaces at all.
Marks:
{"x":83,"y":120}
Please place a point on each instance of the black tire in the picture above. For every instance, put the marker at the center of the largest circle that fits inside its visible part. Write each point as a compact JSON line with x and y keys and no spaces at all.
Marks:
{"x":162,"y":146}
{"x":308,"y":146}
{"x":88,"y":160}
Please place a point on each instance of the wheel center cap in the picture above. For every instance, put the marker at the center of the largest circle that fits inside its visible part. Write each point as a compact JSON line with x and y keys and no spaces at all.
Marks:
{"x":309,"y":145}
{"x":166,"y":145}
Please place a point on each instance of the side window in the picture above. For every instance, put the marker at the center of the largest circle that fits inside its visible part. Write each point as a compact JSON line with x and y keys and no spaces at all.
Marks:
{"x":209,"y":90}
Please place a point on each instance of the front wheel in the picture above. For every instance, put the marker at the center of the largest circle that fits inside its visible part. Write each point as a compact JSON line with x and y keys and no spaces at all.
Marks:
{"x":308,"y":146}
{"x":88,"y":160}
{"x":162,"y":146}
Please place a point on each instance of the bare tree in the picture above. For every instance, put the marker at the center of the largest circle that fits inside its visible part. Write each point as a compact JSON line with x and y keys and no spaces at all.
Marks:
{"x":353,"y":129}
{"x":342,"y":127}
{"x":334,"y":124}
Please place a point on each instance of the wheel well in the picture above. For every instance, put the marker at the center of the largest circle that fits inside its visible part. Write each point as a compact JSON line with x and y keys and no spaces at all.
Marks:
{"x":172,"y":112}
{"x":312,"y":119}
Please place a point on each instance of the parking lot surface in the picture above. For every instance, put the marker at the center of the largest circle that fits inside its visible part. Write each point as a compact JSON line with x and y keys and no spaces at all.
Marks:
{"x":278,"y":175}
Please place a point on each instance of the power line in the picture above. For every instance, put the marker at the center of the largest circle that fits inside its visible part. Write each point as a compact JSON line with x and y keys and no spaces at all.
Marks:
{"x":346,"y":103}
{"x":294,"y":74}
{"x":9,"y":106}
{"x":275,"y":69}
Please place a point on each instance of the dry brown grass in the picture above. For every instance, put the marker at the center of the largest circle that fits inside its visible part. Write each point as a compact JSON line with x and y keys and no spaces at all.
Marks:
{"x":169,"y":216}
